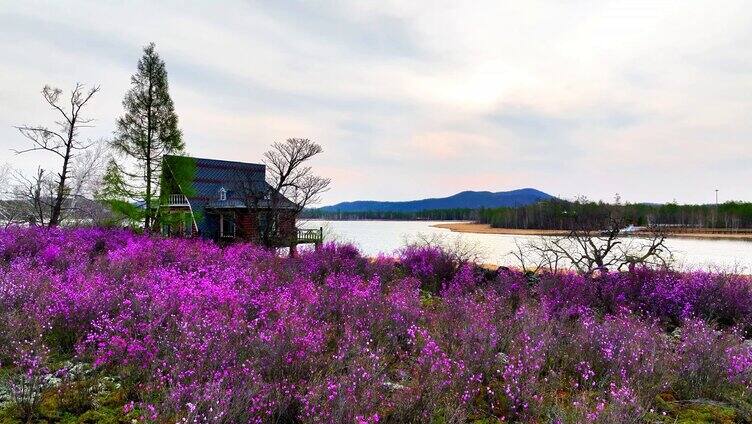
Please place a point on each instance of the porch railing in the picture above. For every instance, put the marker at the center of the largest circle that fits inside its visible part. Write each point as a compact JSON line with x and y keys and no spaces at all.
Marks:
{"x":310,"y":235}
{"x":177,"y":200}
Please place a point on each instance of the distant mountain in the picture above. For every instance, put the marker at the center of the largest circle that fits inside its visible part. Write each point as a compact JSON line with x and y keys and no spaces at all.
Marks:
{"x":465,"y":199}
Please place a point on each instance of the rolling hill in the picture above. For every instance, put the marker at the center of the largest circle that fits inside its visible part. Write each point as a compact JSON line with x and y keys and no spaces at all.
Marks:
{"x":465,"y":199}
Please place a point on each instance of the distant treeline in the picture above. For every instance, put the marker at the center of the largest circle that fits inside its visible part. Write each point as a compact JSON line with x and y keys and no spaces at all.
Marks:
{"x":564,"y":214}
{"x":460,"y":214}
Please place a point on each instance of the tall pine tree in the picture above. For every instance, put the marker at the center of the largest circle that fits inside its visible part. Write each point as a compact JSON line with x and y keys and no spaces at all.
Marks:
{"x":145,"y":133}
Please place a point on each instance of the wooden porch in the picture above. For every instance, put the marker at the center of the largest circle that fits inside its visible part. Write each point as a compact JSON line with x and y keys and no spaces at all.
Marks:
{"x":313,"y":236}
{"x":176,"y":201}
{"x":177,"y":205}
{"x":310,"y":235}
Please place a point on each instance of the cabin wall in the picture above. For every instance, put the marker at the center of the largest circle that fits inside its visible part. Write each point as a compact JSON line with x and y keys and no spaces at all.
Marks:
{"x":247,"y":226}
{"x":286,"y":225}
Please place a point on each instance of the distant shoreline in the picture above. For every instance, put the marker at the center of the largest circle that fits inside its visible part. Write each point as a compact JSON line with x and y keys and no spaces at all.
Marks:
{"x":476,"y":228}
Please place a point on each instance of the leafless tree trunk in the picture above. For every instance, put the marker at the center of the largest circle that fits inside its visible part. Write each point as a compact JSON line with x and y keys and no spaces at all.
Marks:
{"x":63,"y":141}
{"x":34,"y":195}
{"x":290,"y":178}
{"x":31,"y":199}
{"x":588,"y":250}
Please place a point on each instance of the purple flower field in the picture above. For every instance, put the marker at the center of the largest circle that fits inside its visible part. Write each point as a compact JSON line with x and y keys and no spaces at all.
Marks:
{"x":108,"y":326}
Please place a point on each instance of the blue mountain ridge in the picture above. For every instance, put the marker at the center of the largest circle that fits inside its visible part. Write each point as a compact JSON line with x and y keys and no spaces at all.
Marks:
{"x":465,"y":199}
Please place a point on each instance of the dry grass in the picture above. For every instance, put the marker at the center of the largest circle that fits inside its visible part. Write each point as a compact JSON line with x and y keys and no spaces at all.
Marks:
{"x":471,"y":227}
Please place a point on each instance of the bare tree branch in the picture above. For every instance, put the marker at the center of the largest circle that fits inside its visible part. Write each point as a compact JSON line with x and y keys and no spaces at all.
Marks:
{"x":290,"y":186}
{"x":588,"y":250}
{"x":62,"y":143}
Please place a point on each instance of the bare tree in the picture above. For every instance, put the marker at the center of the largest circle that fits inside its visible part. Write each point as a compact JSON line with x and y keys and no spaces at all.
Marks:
{"x":87,"y":173}
{"x":62,"y":141}
{"x":289,"y":173}
{"x":87,"y":170}
{"x":459,"y":248}
{"x":291,"y":184}
{"x":33,"y":196}
{"x":536,"y":255}
{"x":12,"y":211}
{"x":587,"y":250}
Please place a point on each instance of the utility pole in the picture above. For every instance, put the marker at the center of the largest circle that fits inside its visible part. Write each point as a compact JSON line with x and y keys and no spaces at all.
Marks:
{"x":715,"y":221}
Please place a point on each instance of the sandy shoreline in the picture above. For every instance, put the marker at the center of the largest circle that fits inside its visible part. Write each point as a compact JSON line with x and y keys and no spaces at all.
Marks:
{"x":471,"y":227}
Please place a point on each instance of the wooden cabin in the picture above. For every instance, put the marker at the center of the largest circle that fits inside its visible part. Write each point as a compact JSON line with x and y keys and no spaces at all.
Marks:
{"x":227,"y":201}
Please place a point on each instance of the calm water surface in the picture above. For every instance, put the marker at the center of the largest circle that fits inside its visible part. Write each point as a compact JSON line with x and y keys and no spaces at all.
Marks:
{"x":374,"y":237}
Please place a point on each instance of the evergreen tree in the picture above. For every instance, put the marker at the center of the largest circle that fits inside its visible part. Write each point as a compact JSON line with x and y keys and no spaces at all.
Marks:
{"x":116,"y":193}
{"x":146,"y":132}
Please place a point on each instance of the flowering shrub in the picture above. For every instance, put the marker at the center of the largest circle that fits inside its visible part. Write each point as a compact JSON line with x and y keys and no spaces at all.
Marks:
{"x":196,"y":333}
{"x":432,"y":266}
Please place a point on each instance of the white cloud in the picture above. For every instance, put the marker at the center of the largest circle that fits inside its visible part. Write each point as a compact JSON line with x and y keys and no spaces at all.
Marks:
{"x":646,"y":98}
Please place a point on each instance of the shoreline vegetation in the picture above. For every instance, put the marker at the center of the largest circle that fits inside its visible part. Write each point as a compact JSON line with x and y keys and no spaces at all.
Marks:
{"x":692,"y":233}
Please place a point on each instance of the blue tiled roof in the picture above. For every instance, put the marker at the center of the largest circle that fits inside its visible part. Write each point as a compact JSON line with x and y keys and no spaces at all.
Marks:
{"x":212,"y":175}
{"x":239,"y":179}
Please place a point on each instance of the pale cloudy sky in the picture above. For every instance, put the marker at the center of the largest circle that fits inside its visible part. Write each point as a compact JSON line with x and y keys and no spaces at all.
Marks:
{"x":418,"y":99}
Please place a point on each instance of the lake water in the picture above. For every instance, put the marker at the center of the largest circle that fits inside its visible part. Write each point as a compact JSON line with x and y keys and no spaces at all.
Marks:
{"x":374,"y":237}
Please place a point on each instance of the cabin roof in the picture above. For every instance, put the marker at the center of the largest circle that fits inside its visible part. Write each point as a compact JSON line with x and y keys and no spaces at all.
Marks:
{"x":220,"y":168}
{"x":235,"y":177}
{"x":239,"y":179}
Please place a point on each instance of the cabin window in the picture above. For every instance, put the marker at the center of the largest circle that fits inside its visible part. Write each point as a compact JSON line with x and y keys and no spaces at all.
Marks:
{"x":222,"y":194}
{"x":226,"y":226}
